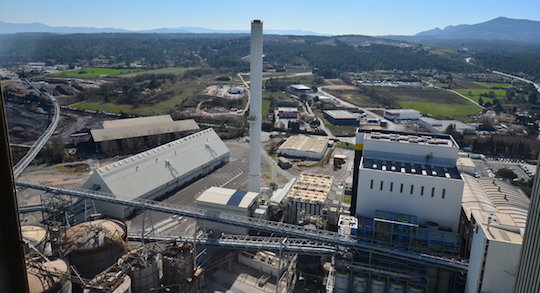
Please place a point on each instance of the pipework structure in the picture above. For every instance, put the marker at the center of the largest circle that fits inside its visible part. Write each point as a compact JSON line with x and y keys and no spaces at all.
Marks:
{"x":255,"y":106}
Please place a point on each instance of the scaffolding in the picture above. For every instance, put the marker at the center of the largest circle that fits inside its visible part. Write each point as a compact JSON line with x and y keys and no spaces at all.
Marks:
{"x":402,"y":232}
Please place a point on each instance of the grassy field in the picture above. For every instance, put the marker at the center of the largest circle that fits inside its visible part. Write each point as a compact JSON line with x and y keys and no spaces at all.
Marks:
{"x":171,"y":70}
{"x":495,"y":85}
{"x":439,"y":103}
{"x":107,"y":107}
{"x":265,"y":107}
{"x":441,"y":109}
{"x":95,"y":72}
{"x":475,"y":94}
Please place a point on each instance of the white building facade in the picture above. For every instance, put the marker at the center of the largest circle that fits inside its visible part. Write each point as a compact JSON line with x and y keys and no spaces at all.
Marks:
{"x":408,"y":173}
{"x":401,"y":114}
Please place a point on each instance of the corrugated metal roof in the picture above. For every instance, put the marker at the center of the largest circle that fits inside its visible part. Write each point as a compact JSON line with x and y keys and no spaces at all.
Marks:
{"x":139,"y":174}
{"x":226,"y":196}
{"x":341,"y":114}
{"x":305,"y":143}
{"x":485,"y":195}
{"x":114,"y":133}
{"x":137,"y":121}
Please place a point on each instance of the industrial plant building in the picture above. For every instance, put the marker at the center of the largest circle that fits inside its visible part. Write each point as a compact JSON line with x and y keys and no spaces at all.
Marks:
{"x":408,"y":173}
{"x":300,"y":88}
{"x":287,"y":112}
{"x":312,"y":200}
{"x":130,"y":135}
{"x":341,"y":117}
{"x":235,"y":202}
{"x":492,"y":223}
{"x":303,"y":146}
{"x":439,"y":126}
{"x":401,"y":114}
{"x":158,"y":171}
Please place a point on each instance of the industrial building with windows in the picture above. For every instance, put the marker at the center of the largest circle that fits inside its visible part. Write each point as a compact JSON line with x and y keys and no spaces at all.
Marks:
{"x":158,"y":171}
{"x":401,"y":114}
{"x":341,"y":117}
{"x":408,"y":173}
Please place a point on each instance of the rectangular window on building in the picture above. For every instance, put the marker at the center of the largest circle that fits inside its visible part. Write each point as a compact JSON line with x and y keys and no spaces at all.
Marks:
{"x":432,"y":191}
{"x":391,"y":186}
{"x":401,"y":188}
{"x":382,"y":185}
{"x":422,"y":190}
{"x":371,"y":185}
{"x":443,"y":192}
{"x":412,"y":189}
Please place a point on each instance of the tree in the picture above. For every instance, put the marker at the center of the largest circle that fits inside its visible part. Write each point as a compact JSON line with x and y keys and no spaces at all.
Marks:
{"x":506,"y":173}
{"x":481,"y":101}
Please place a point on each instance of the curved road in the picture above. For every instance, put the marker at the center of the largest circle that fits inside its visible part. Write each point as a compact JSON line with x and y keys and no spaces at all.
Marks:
{"x":38,"y":145}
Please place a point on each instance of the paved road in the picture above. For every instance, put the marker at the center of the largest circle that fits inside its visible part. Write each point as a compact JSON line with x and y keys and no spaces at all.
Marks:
{"x":519,"y":78}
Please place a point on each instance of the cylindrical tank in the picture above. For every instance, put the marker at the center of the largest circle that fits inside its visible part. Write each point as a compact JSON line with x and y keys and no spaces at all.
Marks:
{"x":341,"y":280}
{"x":48,"y":276}
{"x":360,"y":282}
{"x":414,"y":288}
{"x":396,"y":286}
{"x":432,"y":225}
{"x":34,"y":236}
{"x":177,"y":264}
{"x":94,"y":246}
{"x":109,"y":283}
{"x":145,"y":274}
{"x":378,"y":284}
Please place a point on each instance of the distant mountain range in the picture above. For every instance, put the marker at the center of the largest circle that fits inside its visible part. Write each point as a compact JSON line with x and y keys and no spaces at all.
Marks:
{"x":498,"y":29}
{"x":36,"y":27}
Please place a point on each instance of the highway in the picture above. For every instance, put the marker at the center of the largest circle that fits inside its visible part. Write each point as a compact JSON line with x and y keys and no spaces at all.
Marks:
{"x":42,"y":140}
{"x":518,"y":78}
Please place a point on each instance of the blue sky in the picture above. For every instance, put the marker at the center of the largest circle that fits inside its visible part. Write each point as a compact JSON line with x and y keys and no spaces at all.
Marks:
{"x":365,"y":17}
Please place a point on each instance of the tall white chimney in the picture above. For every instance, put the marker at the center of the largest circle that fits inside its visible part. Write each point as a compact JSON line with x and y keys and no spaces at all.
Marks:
{"x":255,"y":107}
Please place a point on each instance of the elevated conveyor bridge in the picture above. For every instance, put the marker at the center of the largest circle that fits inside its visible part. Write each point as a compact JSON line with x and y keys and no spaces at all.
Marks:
{"x":324,"y":237}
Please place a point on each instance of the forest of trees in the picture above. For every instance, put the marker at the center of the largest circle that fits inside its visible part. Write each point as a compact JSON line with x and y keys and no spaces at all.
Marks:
{"x":328,"y":56}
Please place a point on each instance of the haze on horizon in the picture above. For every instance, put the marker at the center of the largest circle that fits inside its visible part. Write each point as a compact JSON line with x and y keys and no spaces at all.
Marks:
{"x":361,"y":17}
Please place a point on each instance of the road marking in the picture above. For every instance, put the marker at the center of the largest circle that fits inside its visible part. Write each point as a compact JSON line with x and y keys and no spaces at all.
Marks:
{"x":234,"y":177}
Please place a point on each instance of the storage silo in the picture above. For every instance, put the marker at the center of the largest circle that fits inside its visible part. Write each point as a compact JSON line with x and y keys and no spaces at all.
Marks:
{"x":360,"y":282}
{"x":144,"y":271}
{"x":178,"y":274}
{"x":341,"y":280}
{"x":396,"y":286}
{"x":35,"y":236}
{"x":378,"y":284}
{"x":95,"y":245}
{"x":48,"y":276}
{"x":113,"y":282}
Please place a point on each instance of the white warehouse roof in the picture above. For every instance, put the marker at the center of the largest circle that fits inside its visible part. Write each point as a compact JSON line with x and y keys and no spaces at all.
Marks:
{"x":229,"y":197}
{"x":144,"y":173}
{"x":136,"y":130}
{"x":304,"y":146}
{"x":137,"y":121}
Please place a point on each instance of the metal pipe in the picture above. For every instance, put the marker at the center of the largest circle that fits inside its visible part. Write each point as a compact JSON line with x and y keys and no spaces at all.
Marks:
{"x":13,"y":278}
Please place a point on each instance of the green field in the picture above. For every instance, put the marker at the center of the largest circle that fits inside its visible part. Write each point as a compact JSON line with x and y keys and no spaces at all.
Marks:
{"x":441,"y":109}
{"x":495,"y":85}
{"x":107,"y":107}
{"x":265,"y":107}
{"x":95,"y":72}
{"x":475,"y":94}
